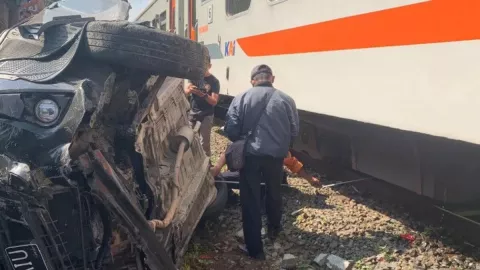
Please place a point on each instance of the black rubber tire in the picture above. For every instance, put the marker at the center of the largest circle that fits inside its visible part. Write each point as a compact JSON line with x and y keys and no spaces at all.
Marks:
{"x":138,"y":46}
{"x":218,"y":205}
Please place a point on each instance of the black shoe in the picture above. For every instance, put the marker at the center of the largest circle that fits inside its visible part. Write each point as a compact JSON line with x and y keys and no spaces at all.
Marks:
{"x":260,"y":256}
{"x":232,"y":198}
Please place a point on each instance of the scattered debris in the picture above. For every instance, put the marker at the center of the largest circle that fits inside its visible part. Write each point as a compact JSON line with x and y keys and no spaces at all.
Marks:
{"x":332,"y":262}
{"x":321,"y":259}
{"x":337,"y":263}
{"x":239,"y":234}
{"x":337,"y":221}
{"x":295,"y":213}
{"x":205,"y":257}
{"x":409,"y":237}
{"x":289,"y":261}
{"x":355,"y":189}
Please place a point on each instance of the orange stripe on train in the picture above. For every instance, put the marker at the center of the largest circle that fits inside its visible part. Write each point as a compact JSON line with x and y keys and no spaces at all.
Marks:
{"x":427,"y":22}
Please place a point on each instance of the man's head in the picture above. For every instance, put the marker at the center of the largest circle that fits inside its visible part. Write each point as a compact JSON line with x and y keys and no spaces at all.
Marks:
{"x":262,"y":74}
{"x":209,"y":66}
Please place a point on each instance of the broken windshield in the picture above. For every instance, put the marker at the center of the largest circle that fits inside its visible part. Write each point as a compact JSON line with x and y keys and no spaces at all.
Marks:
{"x":90,"y":6}
{"x":108,"y":10}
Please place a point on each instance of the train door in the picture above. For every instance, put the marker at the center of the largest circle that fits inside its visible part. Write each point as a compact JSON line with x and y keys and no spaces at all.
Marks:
{"x":192,"y":25}
{"x":171,"y":16}
{"x":211,"y":29}
{"x":177,"y":17}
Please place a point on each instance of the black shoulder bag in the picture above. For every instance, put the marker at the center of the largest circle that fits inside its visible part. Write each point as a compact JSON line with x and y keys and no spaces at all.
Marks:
{"x":235,"y":152}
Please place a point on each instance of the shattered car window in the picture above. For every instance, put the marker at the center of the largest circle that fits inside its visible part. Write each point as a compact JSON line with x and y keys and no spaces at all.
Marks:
{"x":89,"y":6}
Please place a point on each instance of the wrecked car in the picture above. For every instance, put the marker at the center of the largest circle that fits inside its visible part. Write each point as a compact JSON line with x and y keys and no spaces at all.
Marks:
{"x":99,"y":168}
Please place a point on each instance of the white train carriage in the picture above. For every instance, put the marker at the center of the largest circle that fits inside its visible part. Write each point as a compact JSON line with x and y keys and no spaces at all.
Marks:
{"x":389,"y":88}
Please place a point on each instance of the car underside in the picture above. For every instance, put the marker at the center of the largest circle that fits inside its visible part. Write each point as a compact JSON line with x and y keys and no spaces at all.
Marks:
{"x":99,"y":168}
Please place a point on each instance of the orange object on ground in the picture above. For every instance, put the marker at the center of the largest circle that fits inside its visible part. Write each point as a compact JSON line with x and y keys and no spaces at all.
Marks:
{"x":409,"y":237}
{"x":292,"y":163}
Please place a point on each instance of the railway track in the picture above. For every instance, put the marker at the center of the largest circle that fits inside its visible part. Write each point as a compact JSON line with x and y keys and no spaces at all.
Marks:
{"x":369,"y":223}
{"x":464,"y":229}
{"x":460,"y":223}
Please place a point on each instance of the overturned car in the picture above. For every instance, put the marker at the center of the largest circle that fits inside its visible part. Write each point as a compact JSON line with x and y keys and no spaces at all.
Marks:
{"x":99,"y":168}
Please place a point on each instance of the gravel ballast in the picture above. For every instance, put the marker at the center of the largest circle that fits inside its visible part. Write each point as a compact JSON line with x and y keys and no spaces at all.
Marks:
{"x":357,"y":229}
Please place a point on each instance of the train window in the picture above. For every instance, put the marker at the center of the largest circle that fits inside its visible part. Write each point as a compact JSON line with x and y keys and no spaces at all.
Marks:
{"x":160,"y":21}
{"x":155,"y":23}
{"x":163,"y":16}
{"x":234,"y":7}
{"x":163,"y":20}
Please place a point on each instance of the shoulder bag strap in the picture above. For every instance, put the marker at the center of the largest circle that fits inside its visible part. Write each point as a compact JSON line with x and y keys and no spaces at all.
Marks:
{"x":261,"y":113}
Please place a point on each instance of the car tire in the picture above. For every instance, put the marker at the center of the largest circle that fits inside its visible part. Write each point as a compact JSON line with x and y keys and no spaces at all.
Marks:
{"x":218,"y":205}
{"x":138,"y":46}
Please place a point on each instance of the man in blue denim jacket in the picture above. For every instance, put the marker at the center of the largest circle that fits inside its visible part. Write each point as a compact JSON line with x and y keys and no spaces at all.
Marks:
{"x":266,"y":149}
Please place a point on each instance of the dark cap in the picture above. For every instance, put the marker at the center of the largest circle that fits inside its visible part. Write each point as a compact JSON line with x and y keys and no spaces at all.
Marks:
{"x":261,"y":69}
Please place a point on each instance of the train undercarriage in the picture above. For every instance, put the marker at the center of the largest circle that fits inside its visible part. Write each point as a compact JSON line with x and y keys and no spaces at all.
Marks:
{"x":414,"y":168}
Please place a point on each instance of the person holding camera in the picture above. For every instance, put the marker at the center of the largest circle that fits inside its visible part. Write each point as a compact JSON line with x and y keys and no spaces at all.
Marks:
{"x":205,"y":95}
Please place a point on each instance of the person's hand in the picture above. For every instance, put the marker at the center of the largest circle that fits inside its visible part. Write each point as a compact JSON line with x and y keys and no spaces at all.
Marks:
{"x":189,"y":88}
{"x":215,"y":171}
{"x":315,"y":182}
{"x":197,"y":92}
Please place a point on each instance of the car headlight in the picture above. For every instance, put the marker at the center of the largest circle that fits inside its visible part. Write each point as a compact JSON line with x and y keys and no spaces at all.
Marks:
{"x":47,"y":111}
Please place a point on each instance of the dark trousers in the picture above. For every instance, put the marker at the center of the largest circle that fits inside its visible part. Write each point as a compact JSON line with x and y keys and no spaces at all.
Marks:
{"x":259,"y":169}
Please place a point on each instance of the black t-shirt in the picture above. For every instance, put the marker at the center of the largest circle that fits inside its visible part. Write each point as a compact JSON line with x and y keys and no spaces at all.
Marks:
{"x":199,"y":105}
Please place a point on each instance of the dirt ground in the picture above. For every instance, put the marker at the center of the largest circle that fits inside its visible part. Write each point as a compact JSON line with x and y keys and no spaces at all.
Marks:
{"x":370,"y":234}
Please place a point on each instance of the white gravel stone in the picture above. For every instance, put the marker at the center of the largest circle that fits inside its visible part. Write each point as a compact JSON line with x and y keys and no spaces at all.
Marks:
{"x":321,"y":259}
{"x":336,"y":263}
{"x":341,"y":222}
{"x":289,"y":262}
{"x":332,"y":262}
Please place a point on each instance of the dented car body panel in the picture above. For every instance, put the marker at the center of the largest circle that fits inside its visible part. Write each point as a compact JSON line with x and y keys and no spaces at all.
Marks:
{"x":155,"y":138}
{"x":136,"y":142}
{"x":116,"y":180}
{"x":21,"y":135}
